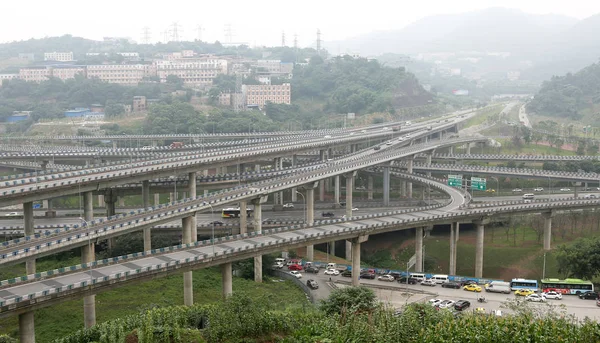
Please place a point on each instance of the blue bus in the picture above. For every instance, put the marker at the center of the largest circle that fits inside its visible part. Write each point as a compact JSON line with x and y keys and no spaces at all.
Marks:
{"x":524,"y":284}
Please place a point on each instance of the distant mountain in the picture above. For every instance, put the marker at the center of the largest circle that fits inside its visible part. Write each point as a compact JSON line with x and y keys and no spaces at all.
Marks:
{"x":493,"y":29}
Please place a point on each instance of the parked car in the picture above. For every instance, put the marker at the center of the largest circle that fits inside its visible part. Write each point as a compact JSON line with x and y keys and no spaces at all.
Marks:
{"x":451,"y":284}
{"x":538,"y":189}
{"x":367,"y":276}
{"x":565,"y":189}
{"x":462,"y":305}
{"x":388,"y":278}
{"x":216,"y":222}
{"x":467,"y":282}
{"x":312,"y":284}
{"x":428,"y":282}
{"x":295,"y":267}
{"x":447,"y":304}
{"x":327,"y":214}
{"x":536,"y":297}
{"x":288,"y":205}
{"x":311,"y":269}
{"x":524,"y":292}
{"x":346,"y":273}
{"x":588,"y":295}
{"x":12,"y":214}
{"x":278,"y":265}
{"x":333,"y":272}
{"x":435,"y":302}
{"x":296,"y":274}
{"x":411,"y":281}
{"x":472,"y":288}
{"x":553,"y":295}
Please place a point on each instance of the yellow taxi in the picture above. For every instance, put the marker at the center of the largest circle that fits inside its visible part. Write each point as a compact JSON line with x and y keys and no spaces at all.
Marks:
{"x":490,"y":190}
{"x":472,"y":288}
{"x":524,"y":292}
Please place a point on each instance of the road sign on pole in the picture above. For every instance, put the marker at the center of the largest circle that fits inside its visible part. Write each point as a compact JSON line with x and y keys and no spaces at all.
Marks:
{"x":455,"y":180}
{"x":411,"y":262}
{"x":478,"y":183}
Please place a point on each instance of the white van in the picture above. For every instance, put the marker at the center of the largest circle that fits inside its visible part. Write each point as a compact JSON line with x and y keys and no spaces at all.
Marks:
{"x":528,"y":196}
{"x":440,"y":278}
{"x":498,"y":287}
{"x":280,"y":260}
{"x":418,"y":276}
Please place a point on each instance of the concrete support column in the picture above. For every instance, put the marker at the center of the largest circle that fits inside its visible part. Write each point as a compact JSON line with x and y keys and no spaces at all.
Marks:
{"x":227,"y":279}
{"x":419,"y":249}
{"x":192,"y":194}
{"x":451,"y":150}
{"x":26,"y":327}
{"x":294,"y":189}
{"x":88,"y":255}
{"x":29,"y":231}
{"x":257,"y":167}
{"x":121,"y":201}
{"x":454,"y":227}
{"x":479,"y":235}
{"x":370,"y":187}
{"x":429,"y":162}
{"x":355,"y":245}
{"x":188,"y":290}
{"x":410,"y":170}
{"x":156,"y":199}
{"x":547,"y":229}
{"x":243,"y":217}
{"x":336,"y":190}
{"x":349,"y":206}
{"x":258,"y":228}
{"x":322,"y":190}
{"x":310,"y":219}
{"x":146,"y":204}
{"x":468,"y":148}
{"x":101,"y":200}
{"x":403,"y":188}
{"x":386,"y":186}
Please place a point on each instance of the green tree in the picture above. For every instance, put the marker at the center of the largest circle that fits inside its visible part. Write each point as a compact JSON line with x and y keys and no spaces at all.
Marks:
{"x":580,"y":259}
{"x":349,"y":300}
{"x":113,"y":109}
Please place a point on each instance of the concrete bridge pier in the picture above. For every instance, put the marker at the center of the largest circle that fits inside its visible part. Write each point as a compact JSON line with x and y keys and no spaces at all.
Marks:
{"x":146,"y":204}
{"x":479,"y":236}
{"x":227,"y":280}
{"x":26,"y":327}
{"x":188,"y":291}
{"x":429,"y":155}
{"x":454,"y":227}
{"x":101,"y":200}
{"x":386,"y":185}
{"x":121,"y":200}
{"x":29,"y":231}
{"x":88,"y":255}
{"x":50,"y":213}
{"x":192,"y":193}
{"x":547,"y":229}
{"x":258,"y":228}
{"x":336,"y":191}
{"x":243,"y":217}
{"x":370,"y":187}
{"x":409,"y":168}
{"x":355,"y":244}
{"x":419,"y":249}
{"x":310,"y":219}
{"x":294,"y":189}
{"x":468,"y":148}
{"x":349,"y":206}
{"x":156,"y":199}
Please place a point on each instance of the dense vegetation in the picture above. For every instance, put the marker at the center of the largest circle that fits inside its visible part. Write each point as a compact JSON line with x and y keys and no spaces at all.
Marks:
{"x":241,"y":319}
{"x":581,"y":259}
{"x":570,"y":95}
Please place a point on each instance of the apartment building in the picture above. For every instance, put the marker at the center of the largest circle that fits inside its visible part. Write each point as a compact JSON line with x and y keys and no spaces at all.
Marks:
{"x":58,"y":56}
{"x":67,"y":72}
{"x":35,"y":74}
{"x":126,"y":74}
{"x":193,"y":71}
{"x":7,"y":77}
{"x":259,"y":95}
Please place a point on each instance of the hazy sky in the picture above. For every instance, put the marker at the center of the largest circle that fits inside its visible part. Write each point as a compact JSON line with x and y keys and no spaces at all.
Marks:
{"x":257,"y":22}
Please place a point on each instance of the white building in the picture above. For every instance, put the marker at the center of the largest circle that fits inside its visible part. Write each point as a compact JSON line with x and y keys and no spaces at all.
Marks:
{"x":195,"y":71}
{"x":58,"y":56}
{"x":127,"y":74}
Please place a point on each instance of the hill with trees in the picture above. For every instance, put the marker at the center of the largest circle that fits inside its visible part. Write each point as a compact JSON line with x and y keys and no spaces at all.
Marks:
{"x":571,"y":96}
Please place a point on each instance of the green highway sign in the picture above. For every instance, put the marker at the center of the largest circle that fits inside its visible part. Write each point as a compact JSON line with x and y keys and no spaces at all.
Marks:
{"x":478,"y":183}
{"x":455,"y":180}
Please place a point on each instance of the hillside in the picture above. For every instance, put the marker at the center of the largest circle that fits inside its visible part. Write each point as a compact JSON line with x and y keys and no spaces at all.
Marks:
{"x":573,"y":96}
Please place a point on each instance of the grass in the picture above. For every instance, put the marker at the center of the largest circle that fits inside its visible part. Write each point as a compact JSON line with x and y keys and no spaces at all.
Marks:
{"x":62,"y":319}
{"x":508,"y":148}
{"x":483,"y":115}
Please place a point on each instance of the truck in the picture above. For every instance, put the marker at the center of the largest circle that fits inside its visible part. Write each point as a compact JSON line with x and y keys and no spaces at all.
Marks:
{"x":396,"y":128}
{"x":176,"y":145}
{"x":498,"y":287}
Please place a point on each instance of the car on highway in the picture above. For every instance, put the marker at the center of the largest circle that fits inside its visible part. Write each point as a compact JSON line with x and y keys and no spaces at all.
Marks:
{"x":296,"y":274}
{"x":346,"y":273}
{"x":468,"y":282}
{"x":147,"y":147}
{"x":312,"y":284}
{"x":12,"y":214}
{"x":553,"y":295}
{"x":565,"y":189}
{"x":388,"y":278}
{"x":377,"y":147}
{"x":590,"y":196}
{"x":411,"y":281}
{"x":536,"y":297}
{"x":447,"y":304}
{"x":451,"y":284}
{"x":355,"y":209}
{"x":472,"y":288}
{"x":367,"y":276}
{"x":216,"y":222}
{"x":461,"y":305}
{"x":588,"y":295}
{"x":330,"y":271}
{"x":490,"y":190}
{"x":327,"y":214}
{"x":538,"y":189}
{"x":523,"y":292}
{"x":311,"y":269}
{"x":428,"y":282}
{"x":288,"y":205}
{"x":388,"y":143}
{"x":517,"y":190}
{"x":295,"y":267}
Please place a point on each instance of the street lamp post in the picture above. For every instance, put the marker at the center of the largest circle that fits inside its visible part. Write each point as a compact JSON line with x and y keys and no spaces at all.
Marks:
{"x":305,"y":205}
{"x":544,"y":268}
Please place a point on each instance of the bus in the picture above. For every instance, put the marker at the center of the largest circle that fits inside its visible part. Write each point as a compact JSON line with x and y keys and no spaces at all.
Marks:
{"x":524,"y":284}
{"x":567,"y":286}
{"x":234,"y":212}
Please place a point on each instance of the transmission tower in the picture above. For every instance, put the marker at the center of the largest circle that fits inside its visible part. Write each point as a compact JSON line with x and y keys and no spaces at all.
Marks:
{"x":228,"y":33}
{"x":282,"y":38}
{"x":146,"y":35}
{"x":296,"y":42}
{"x":165,"y":35}
{"x":199,"y":29}
{"x":175,"y":32}
{"x":318,"y":41}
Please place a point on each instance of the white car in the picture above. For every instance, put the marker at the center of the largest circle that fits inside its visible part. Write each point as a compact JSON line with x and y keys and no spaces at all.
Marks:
{"x":553,"y":295}
{"x":386,"y":278}
{"x":333,"y":272}
{"x":435,"y":302}
{"x":296,"y":274}
{"x":565,"y":189}
{"x":538,"y":189}
{"x":446,"y":304}
{"x":12,"y":214}
{"x":428,"y":283}
{"x":590,"y":196}
{"x":355,"y":209}
{"x":516,"y":190}
{"x":288,"y":205}
{"x":147,"y":147}
{"x":536,"y":297}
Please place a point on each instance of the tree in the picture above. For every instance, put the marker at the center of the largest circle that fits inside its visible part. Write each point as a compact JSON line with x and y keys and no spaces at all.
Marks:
{"x":245,"y":267}
{"x":113,"y":109}
{"x":581,"y":259}
{"x":349,"y":300}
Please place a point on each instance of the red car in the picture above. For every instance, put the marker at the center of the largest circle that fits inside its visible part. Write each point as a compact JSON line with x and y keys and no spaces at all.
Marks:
{"x":295,"y":267}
